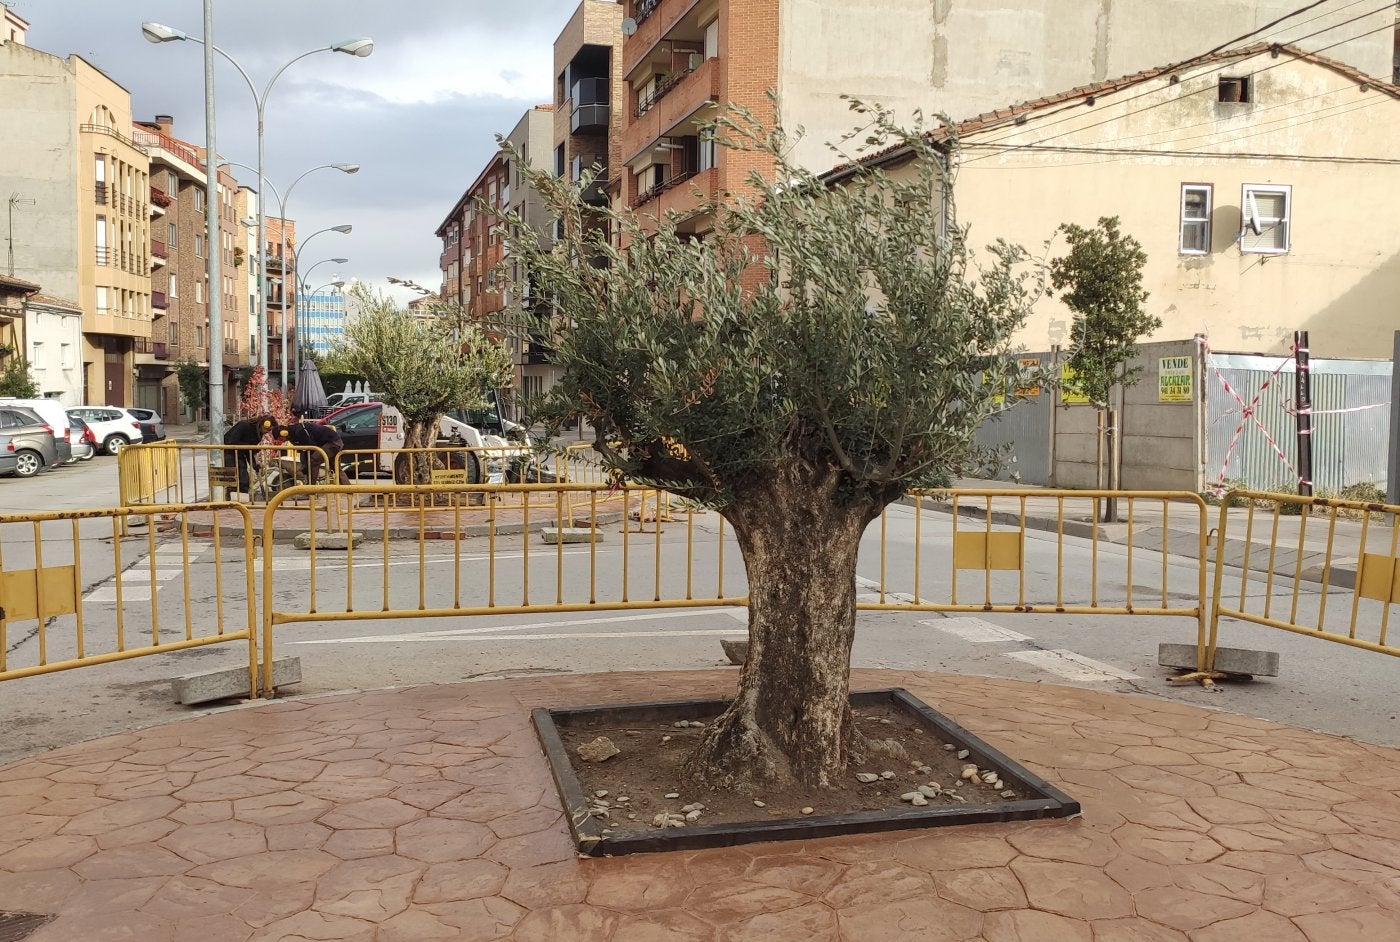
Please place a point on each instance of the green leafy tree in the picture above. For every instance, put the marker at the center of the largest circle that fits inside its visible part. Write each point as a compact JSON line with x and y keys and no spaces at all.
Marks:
{"x":16,"y":381}
{"x":1100,"y":280}
{"x":797,"y":369}
{"x":193,"y":381}
{"x":422,"y":366}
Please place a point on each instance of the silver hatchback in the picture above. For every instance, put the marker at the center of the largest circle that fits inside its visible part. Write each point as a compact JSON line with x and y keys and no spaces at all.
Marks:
{"x":28,"y":440}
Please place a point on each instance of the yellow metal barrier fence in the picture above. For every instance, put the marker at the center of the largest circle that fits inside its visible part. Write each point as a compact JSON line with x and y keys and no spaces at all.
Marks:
{"x":1324,"y":568}
{"x":73,"y":592}
{"x":187,"y":473}
{"x":445,"y":577}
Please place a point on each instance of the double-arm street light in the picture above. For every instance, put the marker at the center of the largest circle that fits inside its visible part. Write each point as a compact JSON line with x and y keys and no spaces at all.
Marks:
{"x":284,"y":197}
{"x":303,"y":343}
{"x":158,"y":33}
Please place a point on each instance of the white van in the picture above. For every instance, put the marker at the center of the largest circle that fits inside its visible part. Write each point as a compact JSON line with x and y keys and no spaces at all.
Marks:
{"x":52,"y":412}
{"x":381,"y":426}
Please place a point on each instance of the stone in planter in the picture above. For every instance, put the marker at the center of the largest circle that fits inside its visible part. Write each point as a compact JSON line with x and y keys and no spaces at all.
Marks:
{"x":736,"y":651}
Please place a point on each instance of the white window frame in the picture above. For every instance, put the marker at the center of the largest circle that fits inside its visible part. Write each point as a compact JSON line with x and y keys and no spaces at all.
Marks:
{"x":1185,"y":221}
{"x":36,"y":355}
{"x":1249,"y":211}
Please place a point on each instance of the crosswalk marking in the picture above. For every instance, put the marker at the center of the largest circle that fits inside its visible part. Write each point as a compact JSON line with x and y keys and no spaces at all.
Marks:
{"x":1072,"y":666}
{"x":975,"y":630}
{"x":562,"y":636}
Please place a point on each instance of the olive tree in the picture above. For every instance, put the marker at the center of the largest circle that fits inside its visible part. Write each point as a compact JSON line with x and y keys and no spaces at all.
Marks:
{"x":801,"y":366}
{"x":422,"y":364}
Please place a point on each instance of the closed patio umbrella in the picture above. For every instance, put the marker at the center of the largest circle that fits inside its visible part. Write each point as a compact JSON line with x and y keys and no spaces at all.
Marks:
{"x":310,"y":396}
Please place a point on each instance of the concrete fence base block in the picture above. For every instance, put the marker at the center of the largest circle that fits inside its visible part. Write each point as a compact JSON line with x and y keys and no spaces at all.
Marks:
{"x":1227,"y":660}
{"x":233,"y":682}
{"x":555,"y":535}
{"x":329,"y":541}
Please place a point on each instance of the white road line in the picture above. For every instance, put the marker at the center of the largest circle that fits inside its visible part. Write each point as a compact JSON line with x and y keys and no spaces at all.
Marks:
{"x":1072,"y":666}
{"x":107,"y":592}
{"x":706,"y":632}
{"x":334,"y":559}
{"x":464,"y":633}
{"x":975,"y":630}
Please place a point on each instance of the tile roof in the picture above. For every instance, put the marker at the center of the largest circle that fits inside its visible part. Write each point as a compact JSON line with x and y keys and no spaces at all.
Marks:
{"x":1001,"y":116}
{"x":50,"y":300}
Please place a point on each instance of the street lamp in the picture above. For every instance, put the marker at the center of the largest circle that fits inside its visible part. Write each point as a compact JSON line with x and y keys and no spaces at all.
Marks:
{"x":338,"y":284}
{"x":282,"y":199}
{"x":343,"y":229}
{"x":159,"y":33}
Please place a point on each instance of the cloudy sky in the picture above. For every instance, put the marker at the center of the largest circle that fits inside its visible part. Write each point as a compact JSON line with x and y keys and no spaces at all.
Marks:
{"x":419,"y":115}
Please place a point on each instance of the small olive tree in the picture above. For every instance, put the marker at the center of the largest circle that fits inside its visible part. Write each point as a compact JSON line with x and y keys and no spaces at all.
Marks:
{"x":421,"y":364}
{"x":16,"y":380}
{"x":1100,"y":281}
{"x":797,"y":369}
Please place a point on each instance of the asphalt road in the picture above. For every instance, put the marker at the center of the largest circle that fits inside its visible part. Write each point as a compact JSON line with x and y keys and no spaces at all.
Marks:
{"x":1323,"y":686}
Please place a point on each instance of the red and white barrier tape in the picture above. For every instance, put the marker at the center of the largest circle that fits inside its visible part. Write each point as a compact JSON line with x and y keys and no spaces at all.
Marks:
{"x":1247,"y":413}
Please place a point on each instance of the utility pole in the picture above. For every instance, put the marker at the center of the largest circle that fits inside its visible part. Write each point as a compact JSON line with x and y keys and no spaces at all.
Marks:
{"x":213,"y":244}
{"x":1302,"y":399}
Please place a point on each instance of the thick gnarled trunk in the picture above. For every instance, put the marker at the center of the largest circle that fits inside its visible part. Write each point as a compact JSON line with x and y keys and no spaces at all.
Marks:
{"x":790,"y":721}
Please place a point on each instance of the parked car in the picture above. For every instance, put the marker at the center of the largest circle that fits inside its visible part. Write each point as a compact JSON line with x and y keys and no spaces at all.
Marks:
{"x":51,"y":413}
{"x":339,"y":399}
{"x":28,"y":440}
{"x":113,"y":428}
{"x":152,"y":427}
{"x":376,"y":426}
{"x":81,"y":439}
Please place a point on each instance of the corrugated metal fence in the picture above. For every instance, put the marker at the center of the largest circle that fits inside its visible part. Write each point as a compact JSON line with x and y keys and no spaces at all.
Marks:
{"x":1350,"y":422}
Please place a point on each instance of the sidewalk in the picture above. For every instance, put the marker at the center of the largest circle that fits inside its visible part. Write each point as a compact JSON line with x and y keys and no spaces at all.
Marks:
{"x":1182,"y":534}
{"x":428,"y":813}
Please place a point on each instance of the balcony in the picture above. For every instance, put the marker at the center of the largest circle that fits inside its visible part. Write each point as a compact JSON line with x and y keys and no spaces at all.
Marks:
{"x":684,"y":194}
{"x":159,"y":300}
{"x":160,"y":253}
{"x":679,"y":103}
{"x":597,"y":192}
{"x":592,"y":106}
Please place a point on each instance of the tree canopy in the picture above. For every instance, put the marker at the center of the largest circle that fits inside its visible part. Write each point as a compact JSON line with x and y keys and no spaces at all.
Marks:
{"x":1100,"y":280}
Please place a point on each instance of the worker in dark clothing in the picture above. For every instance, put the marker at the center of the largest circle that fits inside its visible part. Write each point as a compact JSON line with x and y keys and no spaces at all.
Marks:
{"x":314,"y":434}
{"x":250,"y":432}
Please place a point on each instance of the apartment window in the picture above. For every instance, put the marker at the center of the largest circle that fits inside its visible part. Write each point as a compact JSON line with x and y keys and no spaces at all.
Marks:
{"x":199,"y":292}
{"x":561,"y":88}
{"x":199,"y":246}
{"x":706,"y":155}
{"x":1265,"y":212}
{"x":198,"y":200}
{"x":199,"y":336}
{"x":712,"y":40}
{"x":174,"y":291}
{"x":1195,"y":218}
{"x":172,"y":233}
{"x":65,"y":356}
{"x":104,"y":300}
{"x":36,"y":355}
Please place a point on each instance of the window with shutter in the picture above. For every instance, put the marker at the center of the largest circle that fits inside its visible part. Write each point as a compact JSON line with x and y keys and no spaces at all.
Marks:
{"x":1264,"y":224}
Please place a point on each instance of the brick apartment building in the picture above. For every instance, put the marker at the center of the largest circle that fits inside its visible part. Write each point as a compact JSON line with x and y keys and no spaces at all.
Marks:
{"x":180,"y":290}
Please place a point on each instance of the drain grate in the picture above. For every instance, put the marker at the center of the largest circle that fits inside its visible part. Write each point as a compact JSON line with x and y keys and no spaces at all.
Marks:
{"x":15,"y":927}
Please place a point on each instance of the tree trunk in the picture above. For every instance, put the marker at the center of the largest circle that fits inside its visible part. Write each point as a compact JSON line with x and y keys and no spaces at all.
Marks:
{"x":791,"y":721}
{"x":416,"y":467}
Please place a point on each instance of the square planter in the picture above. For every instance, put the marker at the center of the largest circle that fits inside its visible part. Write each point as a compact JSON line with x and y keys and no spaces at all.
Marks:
{"x":1043,"y":799}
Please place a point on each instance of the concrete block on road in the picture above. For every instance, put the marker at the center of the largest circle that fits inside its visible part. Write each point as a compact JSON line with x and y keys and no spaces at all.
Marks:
{"x":1227,"y":660}
{"x":225,"y":684}
{"x":329,"y":541}
{"x":556,"y":535}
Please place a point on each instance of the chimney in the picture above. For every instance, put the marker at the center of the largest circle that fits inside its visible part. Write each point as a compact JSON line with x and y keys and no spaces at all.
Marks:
{"x":164,"y":123}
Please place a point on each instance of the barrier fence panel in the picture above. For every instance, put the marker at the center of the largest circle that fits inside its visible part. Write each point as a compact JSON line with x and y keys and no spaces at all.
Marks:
{"x":185,"y":473}
{"x":1308,"y":565}
{"x":474,"y":550}
{"x":74,"y":592}
{"x":1152,"y":561}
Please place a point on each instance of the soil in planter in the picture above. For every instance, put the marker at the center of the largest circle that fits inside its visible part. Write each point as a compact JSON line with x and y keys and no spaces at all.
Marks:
{"x":630,"y":789}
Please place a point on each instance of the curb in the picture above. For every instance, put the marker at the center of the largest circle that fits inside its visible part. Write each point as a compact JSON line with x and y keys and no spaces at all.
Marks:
{"x":1341,"y":574}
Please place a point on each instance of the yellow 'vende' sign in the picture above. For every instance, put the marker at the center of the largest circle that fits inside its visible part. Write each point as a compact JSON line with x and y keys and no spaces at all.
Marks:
{"x":1069,"y":388}
{"x":1028,"y":365}
{"x":1174,"y":379}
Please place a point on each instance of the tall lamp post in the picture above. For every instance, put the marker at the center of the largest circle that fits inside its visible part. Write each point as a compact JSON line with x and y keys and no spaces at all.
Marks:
{"x":284,"y":197}
{"x":157,"y":33}
{"x":300,"y":281}
{"x":339,"y":283}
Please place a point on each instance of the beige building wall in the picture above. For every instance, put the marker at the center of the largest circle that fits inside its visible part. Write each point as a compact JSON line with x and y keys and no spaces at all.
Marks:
{"x":965,"y":57}
{"x":114,"y":235}
{"x":1340,"y":275}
